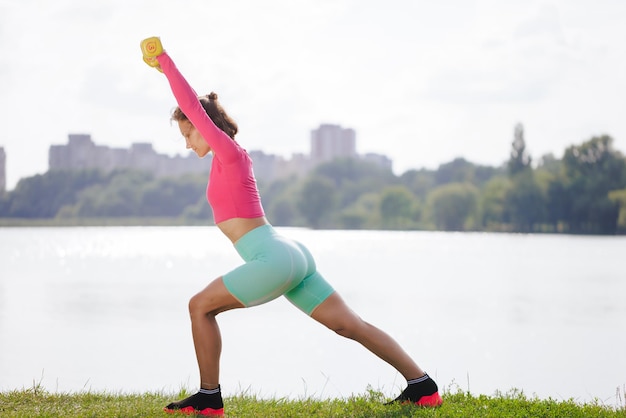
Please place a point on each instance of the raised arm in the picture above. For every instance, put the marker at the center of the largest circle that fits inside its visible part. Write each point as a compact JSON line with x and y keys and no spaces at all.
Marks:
{"x":223,"y":146}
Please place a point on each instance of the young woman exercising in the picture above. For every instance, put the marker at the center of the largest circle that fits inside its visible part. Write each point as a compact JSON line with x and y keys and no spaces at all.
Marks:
{"x":274,"y":265}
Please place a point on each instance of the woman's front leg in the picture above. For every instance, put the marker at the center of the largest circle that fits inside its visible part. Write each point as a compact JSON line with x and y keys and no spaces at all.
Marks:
{"x":207,"y":339}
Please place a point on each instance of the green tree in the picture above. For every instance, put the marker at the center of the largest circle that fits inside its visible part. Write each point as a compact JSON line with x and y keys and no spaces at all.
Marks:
{"x":283,"y":212}
{"x":396,"y":208}
{"x":280,"y":201}
{"x":493,"y":203}
{"x":551,"y":175}
{"x":275,"y":190}
{"x":169,"y":196}
{"x":419,"y":182}
{"x":317,"y":200}
{"x":519,"y":160}
{"x":119,"y":197}
{"x":525,"y":202}
{"x":452,"y":206}
{"x":550,"y":164}
{"x":619,"y":196}
{"x":42,"y":195}
{"x":199,"y":211}
{"x":364,"y":213}
{"x":460,"y":170}
{"x":592,"y":170}
{"x":354,"y":177}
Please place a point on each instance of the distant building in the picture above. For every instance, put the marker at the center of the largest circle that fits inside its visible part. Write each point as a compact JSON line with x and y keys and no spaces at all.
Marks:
{"x":269,"y":167}
{"x":378,"y":159}
{"x":298,"y":165}
{"x":329,"y":142}
{"x":3,"y":171}
{"x":266,"y":166}
{"x":82,"y":153}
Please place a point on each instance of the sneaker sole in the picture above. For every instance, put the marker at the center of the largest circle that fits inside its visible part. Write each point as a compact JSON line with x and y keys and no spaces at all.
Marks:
{"x":431,"y":401}
{"x":189,"y":410}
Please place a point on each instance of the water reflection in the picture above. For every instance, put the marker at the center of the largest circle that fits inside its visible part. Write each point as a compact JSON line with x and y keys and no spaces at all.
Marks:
{"x":106,"y":309}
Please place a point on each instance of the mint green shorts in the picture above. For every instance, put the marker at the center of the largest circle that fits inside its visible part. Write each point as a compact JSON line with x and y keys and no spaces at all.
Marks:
{"x":276,"y":266}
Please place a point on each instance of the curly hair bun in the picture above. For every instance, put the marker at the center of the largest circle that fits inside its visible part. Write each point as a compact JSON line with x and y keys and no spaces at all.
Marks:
{"x":212,"y":96}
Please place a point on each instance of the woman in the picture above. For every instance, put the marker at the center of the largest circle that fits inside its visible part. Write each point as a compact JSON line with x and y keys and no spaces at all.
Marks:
{"x":274,"y":265}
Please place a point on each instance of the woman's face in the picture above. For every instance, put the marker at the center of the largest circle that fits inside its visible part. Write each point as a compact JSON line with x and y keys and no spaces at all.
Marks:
{"x":193,"y":138}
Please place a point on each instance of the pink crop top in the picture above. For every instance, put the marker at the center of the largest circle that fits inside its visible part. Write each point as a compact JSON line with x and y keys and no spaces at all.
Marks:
{"x":232,"y":191}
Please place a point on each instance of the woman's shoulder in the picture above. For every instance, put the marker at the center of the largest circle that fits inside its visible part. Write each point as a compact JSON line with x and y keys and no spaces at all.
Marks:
{"x":237,"y":154}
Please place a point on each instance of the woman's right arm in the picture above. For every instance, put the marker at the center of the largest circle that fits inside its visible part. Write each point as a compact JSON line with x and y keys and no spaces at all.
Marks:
{"x":187,"y":100}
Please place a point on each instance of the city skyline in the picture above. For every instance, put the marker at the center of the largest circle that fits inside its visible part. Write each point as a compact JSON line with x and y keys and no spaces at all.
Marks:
{"x":327,"y":142}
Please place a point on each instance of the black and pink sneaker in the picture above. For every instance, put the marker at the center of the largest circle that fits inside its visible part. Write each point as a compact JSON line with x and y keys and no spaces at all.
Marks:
{"x":422,"y":391}
{"x":207,"y":402}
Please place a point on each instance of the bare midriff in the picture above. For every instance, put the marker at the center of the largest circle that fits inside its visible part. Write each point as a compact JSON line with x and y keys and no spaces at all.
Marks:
{"x":235,"y":228}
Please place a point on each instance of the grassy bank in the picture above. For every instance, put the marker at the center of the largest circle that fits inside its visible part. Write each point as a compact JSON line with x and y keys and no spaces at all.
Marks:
{"x":39,"y":403}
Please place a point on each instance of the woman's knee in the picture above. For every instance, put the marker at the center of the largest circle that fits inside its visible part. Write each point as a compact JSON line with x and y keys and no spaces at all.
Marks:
{"x":196,"y":305}
{"x":349,"y":327}
{"x":212,"y":300}
{"x":335,"y":315}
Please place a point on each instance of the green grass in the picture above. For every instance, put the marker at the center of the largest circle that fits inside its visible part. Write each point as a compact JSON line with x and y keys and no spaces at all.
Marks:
{"x":37,"y":402}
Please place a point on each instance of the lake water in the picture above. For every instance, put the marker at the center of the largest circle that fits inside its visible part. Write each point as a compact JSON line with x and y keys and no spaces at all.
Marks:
{"x":106,"y":309}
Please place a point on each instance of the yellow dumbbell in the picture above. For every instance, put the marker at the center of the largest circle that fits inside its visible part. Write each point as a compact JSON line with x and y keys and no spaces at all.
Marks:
{"x":152,"y":48}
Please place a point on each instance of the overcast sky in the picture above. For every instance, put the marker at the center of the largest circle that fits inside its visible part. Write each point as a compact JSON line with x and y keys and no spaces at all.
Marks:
{"x":422,"y":82}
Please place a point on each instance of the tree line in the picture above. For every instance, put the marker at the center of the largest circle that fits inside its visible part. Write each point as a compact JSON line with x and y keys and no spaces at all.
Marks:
{"x":583,"y":192}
